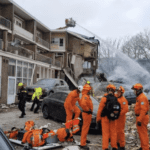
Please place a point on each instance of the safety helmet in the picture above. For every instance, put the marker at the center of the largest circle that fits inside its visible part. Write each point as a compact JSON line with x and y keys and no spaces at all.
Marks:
{"x":88,"y":82}
{"x":20,"y":84}
{"x":111,"y":87}
{"x":80,"y":88}
{"x":121,"y":89}
{"x":137,"y":86}
{"x":87,"y":87}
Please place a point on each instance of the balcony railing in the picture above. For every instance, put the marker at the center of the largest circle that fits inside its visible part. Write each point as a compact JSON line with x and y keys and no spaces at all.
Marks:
{"x":44,"y":59}
{"x":23,"y":32}
{"x":20,"y":51}
{"x":57,"y":63}
{"x":42,"y":42}
{"x":5,"y":22}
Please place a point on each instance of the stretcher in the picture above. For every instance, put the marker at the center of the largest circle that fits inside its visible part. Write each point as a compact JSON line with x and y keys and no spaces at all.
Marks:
{"x":47,"y":146}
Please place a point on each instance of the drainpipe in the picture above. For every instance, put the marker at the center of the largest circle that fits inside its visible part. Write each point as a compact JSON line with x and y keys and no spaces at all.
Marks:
{"x":32,"y":74}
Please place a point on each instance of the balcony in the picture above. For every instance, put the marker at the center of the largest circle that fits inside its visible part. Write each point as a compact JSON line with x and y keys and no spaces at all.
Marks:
{"x":1,"y":44}
{"x":23,"y":32}
{"x":57,"y":63}
{"x":20,"y":51}
{"x":87,"y":71}
{"x":5,"y":22}
{"x":44,"y":59}
{"x":42,"y":42}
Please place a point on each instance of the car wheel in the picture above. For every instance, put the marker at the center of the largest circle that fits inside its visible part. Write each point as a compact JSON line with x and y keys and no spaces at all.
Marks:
{"x":45,"y":112}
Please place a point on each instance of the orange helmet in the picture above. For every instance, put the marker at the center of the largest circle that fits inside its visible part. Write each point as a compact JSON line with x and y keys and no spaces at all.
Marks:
{"x":87,"y":87}
{"x":121,"y":89}
{"x":111,"y":87}
{"x":137,"y":86}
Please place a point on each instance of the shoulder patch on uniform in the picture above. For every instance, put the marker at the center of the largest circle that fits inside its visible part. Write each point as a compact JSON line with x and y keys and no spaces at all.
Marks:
{"x":142,"y":103}
{"x":124,"y":103}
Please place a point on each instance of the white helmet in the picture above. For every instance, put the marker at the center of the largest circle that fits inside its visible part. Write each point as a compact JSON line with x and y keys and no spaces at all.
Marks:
{"x":80,"y":88}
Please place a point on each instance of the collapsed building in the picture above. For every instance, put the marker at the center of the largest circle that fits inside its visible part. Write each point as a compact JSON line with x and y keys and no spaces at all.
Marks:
{"x":30,"y":51}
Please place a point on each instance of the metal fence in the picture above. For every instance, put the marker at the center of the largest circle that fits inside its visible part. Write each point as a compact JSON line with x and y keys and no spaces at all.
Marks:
{"x":5,"y":22}
{"x":44,"y":59}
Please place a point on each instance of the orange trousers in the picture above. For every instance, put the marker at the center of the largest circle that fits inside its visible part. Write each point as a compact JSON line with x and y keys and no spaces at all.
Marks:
{"x":143,"y":132}
{"x":108,"y":131}
{"x":85,"y":127}
{"x":69,"y":113}
{"x":120,"y":130}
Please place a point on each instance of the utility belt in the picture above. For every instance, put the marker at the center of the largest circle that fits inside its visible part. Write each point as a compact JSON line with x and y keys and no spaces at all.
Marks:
{"x":139,"y":115}
{"x":86,"y":112}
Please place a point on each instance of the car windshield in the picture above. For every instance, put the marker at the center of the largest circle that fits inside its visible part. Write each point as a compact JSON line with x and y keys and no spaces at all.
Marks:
{"x":3,"y":143}
{"x":45,"y":82}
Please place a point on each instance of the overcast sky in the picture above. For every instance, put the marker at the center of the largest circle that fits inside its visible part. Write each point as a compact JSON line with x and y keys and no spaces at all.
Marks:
{"x":105,"y":18}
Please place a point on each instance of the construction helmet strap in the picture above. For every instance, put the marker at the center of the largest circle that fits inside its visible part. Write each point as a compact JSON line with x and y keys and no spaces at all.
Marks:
{"x":138,"y":92}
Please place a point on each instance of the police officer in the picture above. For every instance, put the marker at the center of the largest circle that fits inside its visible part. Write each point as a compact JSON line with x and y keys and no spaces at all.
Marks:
{"x":142,"y":118}
{"x":35,"y":97}
{"x":22,"y":94}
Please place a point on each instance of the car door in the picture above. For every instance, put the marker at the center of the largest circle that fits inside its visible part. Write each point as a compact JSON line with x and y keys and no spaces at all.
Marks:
{"x":56,"y":86}
{"x":62,"y":112}
{"x":53,"y":104}
{"x":62,"y":86}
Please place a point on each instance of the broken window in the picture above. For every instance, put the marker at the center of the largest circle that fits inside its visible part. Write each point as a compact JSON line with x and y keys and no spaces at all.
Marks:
{"x":60,"y":42}
{"x":11,"y":70}
{"x":19,"y":71}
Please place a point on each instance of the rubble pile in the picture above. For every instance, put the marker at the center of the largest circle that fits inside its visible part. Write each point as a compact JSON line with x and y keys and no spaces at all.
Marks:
{"x":131,"y":134}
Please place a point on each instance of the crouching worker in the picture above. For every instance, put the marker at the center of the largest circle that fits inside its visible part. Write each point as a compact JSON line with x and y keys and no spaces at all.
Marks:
{"x":108,"y":112}
{"x":22,"y":99}
{"x":12,"y":134}
{"x":35,"y":98}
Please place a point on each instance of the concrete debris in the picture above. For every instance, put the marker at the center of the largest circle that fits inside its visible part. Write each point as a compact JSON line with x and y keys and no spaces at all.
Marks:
{"x":4,"y":106}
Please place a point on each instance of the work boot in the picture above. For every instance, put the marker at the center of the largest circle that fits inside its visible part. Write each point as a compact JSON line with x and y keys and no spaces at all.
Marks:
{"x":36,"y":112}
{"x":107,"y":149}
{"x":122,"y":148}
{"x":21,"y":116}
{"x":118,"y":145}
{"x":114,"y":148}
{"x":84,"y":147}
{"x":87,"y":141}
{"x":140,"y":148}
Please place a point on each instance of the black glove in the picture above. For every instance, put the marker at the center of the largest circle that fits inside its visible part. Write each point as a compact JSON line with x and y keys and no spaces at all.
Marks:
{"x":89,"y":112}
{"x":139,"y":123}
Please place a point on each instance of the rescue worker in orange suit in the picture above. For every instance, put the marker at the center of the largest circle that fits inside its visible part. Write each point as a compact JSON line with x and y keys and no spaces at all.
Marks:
{"x":142,"y":118}
{"x":70,"y":104}
{"x":87,"y":106}
{"x":122,"y":118}
{"x":22,"y":94}
{"x":108,"y":126}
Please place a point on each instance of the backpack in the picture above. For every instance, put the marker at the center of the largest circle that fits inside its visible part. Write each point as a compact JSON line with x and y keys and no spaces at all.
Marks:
{"x":36,"y":138}
{"x":112,"y":107}
{"x":29,"y":125}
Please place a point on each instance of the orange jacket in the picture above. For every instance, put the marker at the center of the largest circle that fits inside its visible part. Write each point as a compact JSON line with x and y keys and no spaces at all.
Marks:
{"x":46,"y":135}
{"x":29,"y":125}
{"x":86,"y":102}
{"x":61,"y":134}
{"x":71,"y":99}
{"x":141,"y":106}
{"x":101,"y":107}
{"x":124,"y":105}
{"x":34,"y":137}
{"x":11,"y":134}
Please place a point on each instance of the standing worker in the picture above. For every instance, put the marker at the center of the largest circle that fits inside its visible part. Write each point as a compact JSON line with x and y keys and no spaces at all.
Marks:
{"x":122,"y":118}
{"x":70,"y":104}
{"x":142,"y":118}
{"x":91,"y":91}
{"x":22,"y":94}
{"x":35,"y":97}
{"x":108,"y":112}
{"x":87,"y":106}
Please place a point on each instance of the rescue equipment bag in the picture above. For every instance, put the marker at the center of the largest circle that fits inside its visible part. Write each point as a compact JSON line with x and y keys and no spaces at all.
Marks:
{"x":112,"y":108}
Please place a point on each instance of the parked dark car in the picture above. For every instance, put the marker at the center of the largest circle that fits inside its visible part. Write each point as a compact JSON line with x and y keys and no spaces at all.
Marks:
{"x":49,"y":86}
{"x":53,"y":106}
{"x":130,"y":96}
{"x":4,"y":142}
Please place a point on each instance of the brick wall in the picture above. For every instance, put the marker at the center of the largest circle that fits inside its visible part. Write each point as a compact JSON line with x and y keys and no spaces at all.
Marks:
{"x":46,"y":36}
{"x":8,"y":12}
{"x":58,"y":35}
{"x":29,"y":26}
{"x":4,"y":81}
